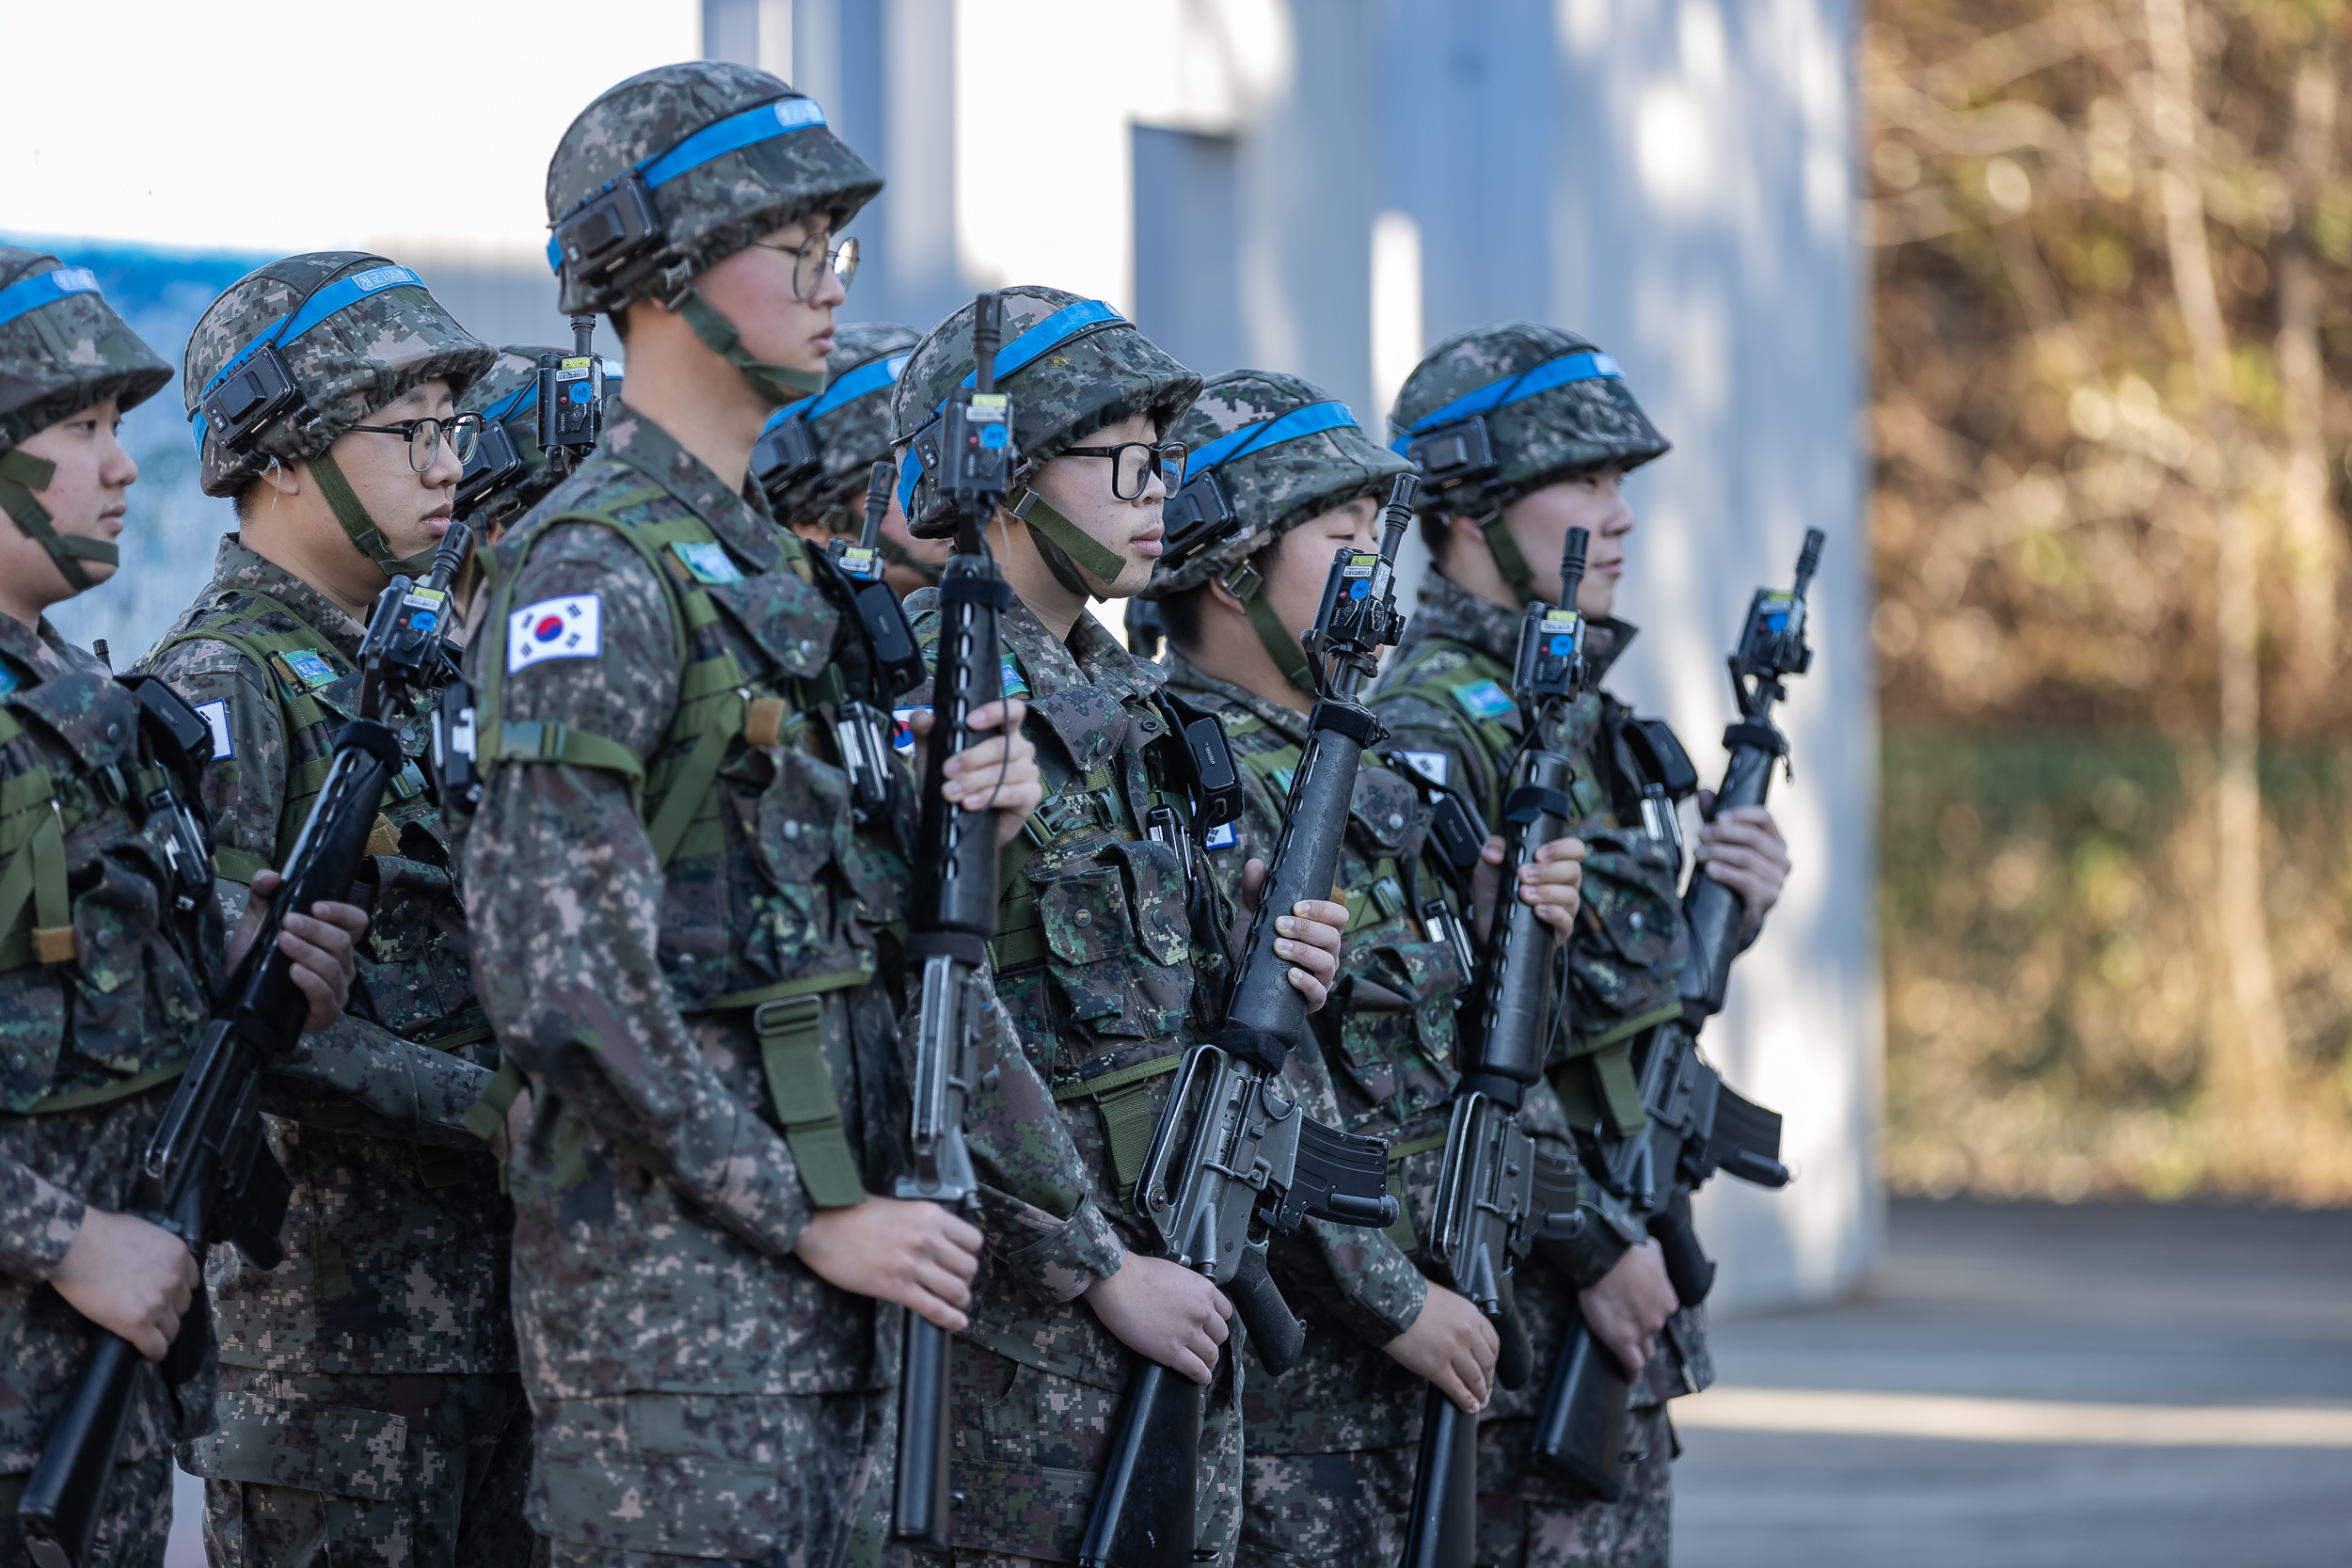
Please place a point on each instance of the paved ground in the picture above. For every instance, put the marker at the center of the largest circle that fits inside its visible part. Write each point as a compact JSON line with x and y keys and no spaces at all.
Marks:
{"x":2076,"y":1310}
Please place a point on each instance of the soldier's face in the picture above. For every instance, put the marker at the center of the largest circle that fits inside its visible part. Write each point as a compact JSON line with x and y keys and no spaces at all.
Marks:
{"x":1080,"y":489}
{"x":85,"y":498}
{"x":1301,"y":559}
{"x":752,"y":290}
{"x":1540,"y":521}
{"x":411,"y":509}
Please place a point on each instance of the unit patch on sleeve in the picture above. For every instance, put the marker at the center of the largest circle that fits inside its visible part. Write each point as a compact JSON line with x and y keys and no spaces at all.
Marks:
{"x":708,"y":561}
{"x":570,"y":627}
{"x":216,"y":717}
{"x":1483,"y":700}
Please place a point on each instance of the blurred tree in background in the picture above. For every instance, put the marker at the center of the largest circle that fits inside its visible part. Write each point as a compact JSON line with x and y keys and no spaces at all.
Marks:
{"x":2113,"y":339}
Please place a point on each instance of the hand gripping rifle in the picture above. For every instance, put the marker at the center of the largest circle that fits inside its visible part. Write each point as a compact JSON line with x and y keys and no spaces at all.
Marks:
{"x":208,"y":1175}
{"x":1234,"y":1158}
{"x":1498,"y":1192}
{"x":1695,"y":1124}
{"x":954,"y":912}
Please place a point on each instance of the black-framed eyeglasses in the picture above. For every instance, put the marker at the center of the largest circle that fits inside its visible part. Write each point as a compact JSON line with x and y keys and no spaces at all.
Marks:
{"x":424,"y":436}
{"x":1132,"y":463}
{"x":812,"y":257}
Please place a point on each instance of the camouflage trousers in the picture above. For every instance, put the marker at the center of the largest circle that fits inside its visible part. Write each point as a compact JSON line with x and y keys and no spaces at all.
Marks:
{"x":405,"y":1470}
{"x":132,"y":1531}
{"x":1028,"y":1448}
{"x":1527,"y":1520}
{"x":1326,"y":1508}
{"x":664,"y":1481}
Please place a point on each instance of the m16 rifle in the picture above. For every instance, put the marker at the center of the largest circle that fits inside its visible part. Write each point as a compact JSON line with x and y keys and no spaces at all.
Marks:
{"x":886,"y":643}
{"x":207,"y":1175}
{"x":1234,"y":1158}
{"x":954,"y":914}
{"x":1498,"y":1192}
{"x":1695,"y":1123}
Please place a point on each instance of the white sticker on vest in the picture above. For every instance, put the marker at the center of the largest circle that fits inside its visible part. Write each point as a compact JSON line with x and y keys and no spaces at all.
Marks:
{"x":1429,"y":764}
{"x":1221,"y":837}
{"x":216,"y":716}
{"x":569,"y":627}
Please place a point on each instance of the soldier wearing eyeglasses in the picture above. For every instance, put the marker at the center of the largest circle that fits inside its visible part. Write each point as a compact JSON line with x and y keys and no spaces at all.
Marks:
{"x":371,"y":1407}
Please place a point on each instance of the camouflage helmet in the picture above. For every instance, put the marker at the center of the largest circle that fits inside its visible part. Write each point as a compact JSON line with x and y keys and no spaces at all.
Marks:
{"x":821,"y":477}
{"x":62,"y":349}
{"x":509,"y":470}
{"x":1497,"y":411}
{"x":1071,"y":367}
{"x":1268,"y":453}
{"x":679,"y":168}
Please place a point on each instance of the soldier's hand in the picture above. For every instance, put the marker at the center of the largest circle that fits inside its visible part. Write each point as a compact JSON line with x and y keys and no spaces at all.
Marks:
{"x":998,"y":773}
{"x":1166,"y":1311}
{"x":129,"y":1277}
{"x":1553,"y":883}
{"x":323,"y":945}
{"x":1743,"y":849}
{"x":914,"y":1253}
{"x":1307,"y":938}
{"x":1453,"y":1345}
{"x":1629,"y":1305}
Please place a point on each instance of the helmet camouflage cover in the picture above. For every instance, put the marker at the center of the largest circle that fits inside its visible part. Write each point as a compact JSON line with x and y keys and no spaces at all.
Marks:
{"x":1276,"y":472}
{"x":62,"y":347}
{"x":375,"y":349}
{"x":851,"y":435}
{"x":1097,"y":369}
{"x":1582,"y":418}
{"x":709,"y":208}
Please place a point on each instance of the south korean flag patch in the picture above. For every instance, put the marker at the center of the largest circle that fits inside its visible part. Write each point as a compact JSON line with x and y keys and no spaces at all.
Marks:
{"x":570,"y":627}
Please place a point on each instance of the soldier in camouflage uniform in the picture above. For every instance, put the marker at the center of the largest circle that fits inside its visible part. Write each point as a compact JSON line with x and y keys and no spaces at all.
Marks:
{"x":849,"y":429}
{"x":110,"y":944}
{"x":507,"y":395}
{"x":1331,"y":1445}
{"x":369,"y":1395}
{"x":1561,"y":429}
{"x":1110,"y":941}
{"x":688,"y":940}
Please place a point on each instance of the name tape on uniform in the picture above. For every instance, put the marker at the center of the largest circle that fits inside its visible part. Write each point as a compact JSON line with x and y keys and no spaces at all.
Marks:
{"x":569,"y":627}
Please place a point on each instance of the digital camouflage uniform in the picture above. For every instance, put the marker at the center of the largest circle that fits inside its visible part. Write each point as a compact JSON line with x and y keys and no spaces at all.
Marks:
{"x":370,"y":1400}
{"x":848,"y":428}
{"x":1446,"y":696}
{"x":1332,"y":1446}
{"x":105,"y":982}
{"x":694,"y":954}
{"x":1110,"y":952}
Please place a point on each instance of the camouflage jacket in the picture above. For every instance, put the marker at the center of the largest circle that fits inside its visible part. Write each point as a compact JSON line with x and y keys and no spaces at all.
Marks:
{"x":91,"y":1042}
{"x":1446,"y":699}
{"x":397,"y":1239}
{"x":660,"y":1193}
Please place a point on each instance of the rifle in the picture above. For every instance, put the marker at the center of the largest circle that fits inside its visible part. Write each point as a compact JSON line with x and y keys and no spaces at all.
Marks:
{"x":954,"y":914}
{"x":1695,"y":1124}
{"x":893,"y":663}
{"x":207,"y":1175}
{"x":1498,"y":1192}
{"x":1233,"y":1159}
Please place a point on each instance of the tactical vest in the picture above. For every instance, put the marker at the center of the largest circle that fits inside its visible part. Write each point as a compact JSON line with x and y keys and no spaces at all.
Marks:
{"x":104,"y":886}
{"x":1594,"y":1071}
{"x":411,"y":954}
{"x":1104,"y":929}
{"x":776,"y":937}
{"x":1390,"y":1051}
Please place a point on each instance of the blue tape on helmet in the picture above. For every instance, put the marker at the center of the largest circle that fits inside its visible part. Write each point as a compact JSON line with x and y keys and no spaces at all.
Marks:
{"x":340,"y":295}
{"x":866,"y":378}
{"x":1312,"y":420}
{"x":1591,"y":365}
{"x":769,"y":120}
{"x":50,"y":286}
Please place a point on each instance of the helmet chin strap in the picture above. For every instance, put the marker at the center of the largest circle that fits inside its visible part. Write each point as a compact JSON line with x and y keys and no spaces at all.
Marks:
{"x":21,"y":474}
{"x":344,"y":503}
{"x":1058,"y":540}
{"x":777,"y":385}
{"x":1508,"y":559}
{"x":1289,"y":655}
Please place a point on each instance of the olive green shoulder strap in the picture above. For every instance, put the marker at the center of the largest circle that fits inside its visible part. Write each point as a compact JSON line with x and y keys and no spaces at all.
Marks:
{"x":36,"y":904}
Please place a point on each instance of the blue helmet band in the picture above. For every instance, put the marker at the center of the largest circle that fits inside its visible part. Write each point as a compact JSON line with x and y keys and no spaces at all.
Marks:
{"x":50,"y":286}
{"x":774,"y":119}
{"x":1311,"y":419}
{"x":1071,"y":320}
{"x":1588,"y":365}
{"x":869,"y":377}
{"x":338,"y":295}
